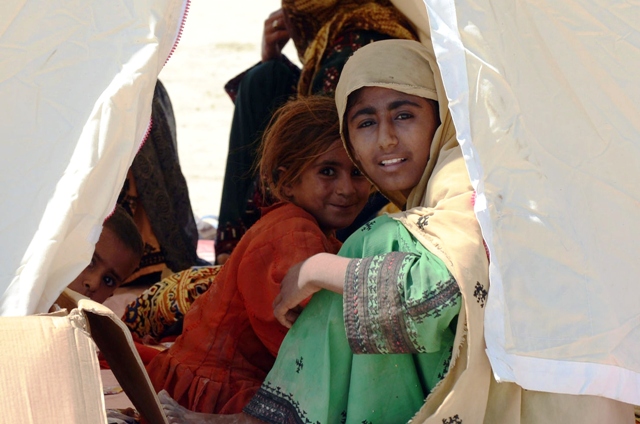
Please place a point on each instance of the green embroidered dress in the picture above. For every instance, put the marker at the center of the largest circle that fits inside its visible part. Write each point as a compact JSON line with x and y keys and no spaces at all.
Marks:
{"x":372,"y":355}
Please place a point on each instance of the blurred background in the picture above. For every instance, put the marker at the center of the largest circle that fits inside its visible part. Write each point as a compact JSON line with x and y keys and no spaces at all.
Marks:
{"x":220,"y":40}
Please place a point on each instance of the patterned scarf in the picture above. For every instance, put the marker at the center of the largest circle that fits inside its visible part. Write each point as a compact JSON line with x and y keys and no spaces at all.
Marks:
{"x":316,"y":24}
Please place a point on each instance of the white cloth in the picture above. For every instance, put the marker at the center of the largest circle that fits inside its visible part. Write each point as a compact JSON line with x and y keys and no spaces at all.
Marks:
{"x":545,"y":96}
{"x":76,"y":84}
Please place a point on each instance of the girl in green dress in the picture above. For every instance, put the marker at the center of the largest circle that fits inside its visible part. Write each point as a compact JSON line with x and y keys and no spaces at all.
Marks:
{"x":385,"y":320}
{"x":379,"y":335}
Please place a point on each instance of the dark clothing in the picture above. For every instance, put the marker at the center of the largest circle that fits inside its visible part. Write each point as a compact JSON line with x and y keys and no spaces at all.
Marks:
{"x":263,"y":89}
{"x":156,"y":195}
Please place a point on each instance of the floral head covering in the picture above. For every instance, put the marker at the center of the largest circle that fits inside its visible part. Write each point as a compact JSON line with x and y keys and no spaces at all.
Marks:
{"x":315,"y":25}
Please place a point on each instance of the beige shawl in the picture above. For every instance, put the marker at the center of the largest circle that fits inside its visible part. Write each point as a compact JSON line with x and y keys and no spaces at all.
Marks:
{"x":444,"y":200}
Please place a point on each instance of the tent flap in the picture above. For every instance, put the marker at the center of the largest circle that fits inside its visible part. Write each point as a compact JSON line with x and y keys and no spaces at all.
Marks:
{"x":76,"y":83}
{"x":545,"y":105}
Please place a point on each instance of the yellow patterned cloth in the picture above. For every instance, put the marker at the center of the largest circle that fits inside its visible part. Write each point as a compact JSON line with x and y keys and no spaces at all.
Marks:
{"x":317,"y":23}
{"x":162,"y":305}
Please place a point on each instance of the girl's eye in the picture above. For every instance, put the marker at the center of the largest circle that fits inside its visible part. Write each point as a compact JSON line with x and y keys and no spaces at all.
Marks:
{"x":329,"y":172}
{"x":357,"y":173}
{"x":365,"y":124}
{"x":110,"y":282}
{"x":404,"y":115}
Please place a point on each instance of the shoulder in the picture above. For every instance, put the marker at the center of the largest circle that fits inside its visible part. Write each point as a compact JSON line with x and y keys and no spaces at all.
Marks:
{"x":285,"y":214}
{"x":285,"y":236}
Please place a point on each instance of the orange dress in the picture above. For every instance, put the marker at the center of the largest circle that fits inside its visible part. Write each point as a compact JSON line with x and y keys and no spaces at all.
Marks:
{"x":230,"y":337}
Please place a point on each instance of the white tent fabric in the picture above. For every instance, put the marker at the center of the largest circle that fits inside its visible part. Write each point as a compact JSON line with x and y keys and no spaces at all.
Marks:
{"x":76,"y":84}
{"x":545,"y":96}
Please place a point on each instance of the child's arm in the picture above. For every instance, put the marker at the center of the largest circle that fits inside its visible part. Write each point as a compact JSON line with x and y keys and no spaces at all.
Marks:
{"x":262,"y":270}
{"x":321,"y":271}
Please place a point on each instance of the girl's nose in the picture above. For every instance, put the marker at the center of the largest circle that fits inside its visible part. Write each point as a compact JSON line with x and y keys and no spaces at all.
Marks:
{"x":345,"y":186}
{"x":90,"y":286}
{"x":387,"y":136}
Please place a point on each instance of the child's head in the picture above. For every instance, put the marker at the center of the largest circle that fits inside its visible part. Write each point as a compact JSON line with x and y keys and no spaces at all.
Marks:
{"x":303,"y":161}
{"x":117,"y":255}
{"x":387,"y":98}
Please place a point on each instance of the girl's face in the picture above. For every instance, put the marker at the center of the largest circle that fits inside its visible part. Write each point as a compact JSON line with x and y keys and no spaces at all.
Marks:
{"x":390,"y":133}
{"x":332,"y":189}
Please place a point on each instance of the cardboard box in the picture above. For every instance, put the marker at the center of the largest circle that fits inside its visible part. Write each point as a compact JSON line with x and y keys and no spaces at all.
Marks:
{"x":50,"y":371}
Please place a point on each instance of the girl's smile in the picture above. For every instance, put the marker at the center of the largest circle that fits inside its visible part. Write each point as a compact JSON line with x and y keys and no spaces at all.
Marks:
{"x":390,"y":133}
{"x":332,"y":189}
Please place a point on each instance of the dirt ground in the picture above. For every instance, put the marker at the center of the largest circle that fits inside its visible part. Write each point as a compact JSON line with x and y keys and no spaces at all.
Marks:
{"x":220,"y":40}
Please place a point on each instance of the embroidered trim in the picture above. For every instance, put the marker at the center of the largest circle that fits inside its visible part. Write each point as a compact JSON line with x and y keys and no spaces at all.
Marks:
{"x":452,"y":420}
{"x":445,"y":294}
{"x":375,"y":312}
{"x":391,"y":314}
{"x":272,"y":405}
{"x":352,"y":307}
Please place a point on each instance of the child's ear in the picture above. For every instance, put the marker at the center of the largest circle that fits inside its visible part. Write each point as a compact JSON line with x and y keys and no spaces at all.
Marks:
{"x":286,"y":188}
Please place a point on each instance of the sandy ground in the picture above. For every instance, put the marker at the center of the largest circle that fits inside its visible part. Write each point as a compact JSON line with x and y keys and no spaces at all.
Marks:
{"x":220,"y":40}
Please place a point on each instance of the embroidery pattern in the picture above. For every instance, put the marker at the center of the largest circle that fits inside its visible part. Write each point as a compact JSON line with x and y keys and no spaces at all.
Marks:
{"x":272,"y":405}
{"x":353,"y":308}
{"x":299,"y":365}
{"x":377,"y":316}
{"x":445,"y":294}
{"x":367,"y":226}
{"x":452,"y":420}
{"x":446,"y":364}
{"x":422,"y":222}
{"x":480,"y":293}
{"x":395,"y":335}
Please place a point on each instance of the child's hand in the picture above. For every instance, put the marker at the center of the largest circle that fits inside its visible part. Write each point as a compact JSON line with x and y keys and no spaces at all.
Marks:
{"x":293,"y":290}
{"x":321,"y":271}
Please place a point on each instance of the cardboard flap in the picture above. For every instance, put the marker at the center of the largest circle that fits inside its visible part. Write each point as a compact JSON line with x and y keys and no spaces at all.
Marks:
{"x":69,"y":299}
{"x":116,"y":345}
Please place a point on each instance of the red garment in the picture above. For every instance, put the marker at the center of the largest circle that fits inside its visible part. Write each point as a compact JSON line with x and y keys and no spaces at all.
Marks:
{"x":147,"y":353}
{"x":230,"y":336}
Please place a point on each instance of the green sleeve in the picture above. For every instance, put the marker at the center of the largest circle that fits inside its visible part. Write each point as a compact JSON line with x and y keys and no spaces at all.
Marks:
{"x":399,"y":301}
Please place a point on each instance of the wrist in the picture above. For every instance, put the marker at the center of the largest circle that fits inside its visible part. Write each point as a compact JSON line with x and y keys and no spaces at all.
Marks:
{"x":307,"y":274}
{"x":324,"y":271}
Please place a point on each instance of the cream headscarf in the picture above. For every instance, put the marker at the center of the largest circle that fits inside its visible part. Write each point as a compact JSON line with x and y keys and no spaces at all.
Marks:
{"x":439,"y":213}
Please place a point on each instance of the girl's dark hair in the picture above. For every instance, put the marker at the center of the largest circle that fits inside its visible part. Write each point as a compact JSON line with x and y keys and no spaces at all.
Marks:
{"x":298,"y":133}
{"x":123,"y":226}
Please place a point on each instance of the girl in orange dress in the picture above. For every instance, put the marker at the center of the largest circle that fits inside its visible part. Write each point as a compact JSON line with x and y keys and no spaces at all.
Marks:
{"x":230,"y":337}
